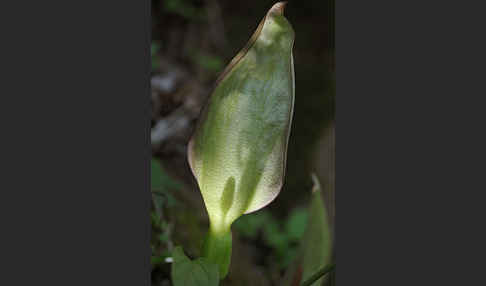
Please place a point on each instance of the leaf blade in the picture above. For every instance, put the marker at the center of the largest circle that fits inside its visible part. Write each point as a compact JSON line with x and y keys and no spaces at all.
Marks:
{"x":317,"y":240}
{"x":186,"y":272}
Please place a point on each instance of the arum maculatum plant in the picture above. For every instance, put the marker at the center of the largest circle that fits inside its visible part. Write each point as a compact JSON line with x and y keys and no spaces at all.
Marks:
{"x":238,"y":150}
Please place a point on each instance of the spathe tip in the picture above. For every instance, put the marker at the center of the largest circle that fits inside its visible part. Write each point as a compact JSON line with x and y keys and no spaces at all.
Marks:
{"x":316,"y":184}
{"x":278,"y":8}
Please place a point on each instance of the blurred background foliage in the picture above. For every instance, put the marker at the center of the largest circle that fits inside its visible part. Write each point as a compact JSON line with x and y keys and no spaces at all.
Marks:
{"x":192,"y":41}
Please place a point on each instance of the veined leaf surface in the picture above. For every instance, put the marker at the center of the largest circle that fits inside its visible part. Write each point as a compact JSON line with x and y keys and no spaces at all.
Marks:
{"x":238,"y":151}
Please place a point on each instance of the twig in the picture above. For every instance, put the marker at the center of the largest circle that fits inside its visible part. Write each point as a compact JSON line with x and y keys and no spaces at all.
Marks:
{"x":323,"y":271}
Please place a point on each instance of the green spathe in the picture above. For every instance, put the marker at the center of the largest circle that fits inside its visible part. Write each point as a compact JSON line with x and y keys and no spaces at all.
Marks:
{"x":238,"y":150}
{"x":316,"y":250}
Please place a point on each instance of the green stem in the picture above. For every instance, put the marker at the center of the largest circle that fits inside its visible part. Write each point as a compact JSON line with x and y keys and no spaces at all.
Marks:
{"x":323,"y":271}
{"x":217,"y":249}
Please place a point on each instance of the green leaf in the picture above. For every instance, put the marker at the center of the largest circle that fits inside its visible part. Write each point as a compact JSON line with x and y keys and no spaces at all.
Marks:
{"x":296,"y":223}
{"x":164,"y":237}
{"x":160,"y":184}
{"x":317,"y":239}
{"x":315,"y":249}
{"x":238,"y":151}
{"x":186,"y":272}
{"x":159,"y":180}
{"x":155,"y":260}
{"x":209,"y":62}
{"x":154,"y":48}
{"x":249,"y":225}
{"x":275,"y":237}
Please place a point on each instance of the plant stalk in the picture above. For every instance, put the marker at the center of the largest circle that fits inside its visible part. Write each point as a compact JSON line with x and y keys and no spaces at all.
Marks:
{"x":323,"y":271}
{"x":217,"y":249}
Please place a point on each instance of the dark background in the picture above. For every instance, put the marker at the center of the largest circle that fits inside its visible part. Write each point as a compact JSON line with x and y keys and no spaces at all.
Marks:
{"x":75,"y":144}
{"x":192,"y":41}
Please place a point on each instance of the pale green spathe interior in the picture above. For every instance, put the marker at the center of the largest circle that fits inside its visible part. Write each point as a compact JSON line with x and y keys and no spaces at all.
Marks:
{"x":238,"y":151}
